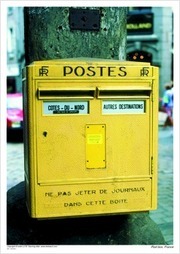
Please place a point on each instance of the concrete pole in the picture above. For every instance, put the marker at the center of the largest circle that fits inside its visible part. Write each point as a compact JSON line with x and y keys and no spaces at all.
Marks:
{"x":48,"y":34}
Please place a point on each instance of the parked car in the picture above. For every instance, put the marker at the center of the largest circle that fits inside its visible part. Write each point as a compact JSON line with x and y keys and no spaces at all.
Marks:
{"x":15,"y":115}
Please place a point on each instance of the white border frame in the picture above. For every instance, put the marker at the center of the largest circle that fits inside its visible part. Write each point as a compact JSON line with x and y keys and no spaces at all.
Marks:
{"x":87,"y":249}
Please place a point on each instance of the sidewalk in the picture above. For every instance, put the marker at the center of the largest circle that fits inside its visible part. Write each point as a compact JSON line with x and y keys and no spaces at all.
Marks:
{"x":163,"y":216}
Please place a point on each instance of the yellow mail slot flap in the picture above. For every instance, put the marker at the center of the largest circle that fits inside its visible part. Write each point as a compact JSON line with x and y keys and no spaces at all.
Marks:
{"x":123,"y":92}
{"x":95,"y":146}
{"x":66,"y":93}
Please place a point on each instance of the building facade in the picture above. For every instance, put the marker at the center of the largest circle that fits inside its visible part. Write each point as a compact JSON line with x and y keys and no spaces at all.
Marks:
{"x":150,"y":38}
{"x":15,"y":48}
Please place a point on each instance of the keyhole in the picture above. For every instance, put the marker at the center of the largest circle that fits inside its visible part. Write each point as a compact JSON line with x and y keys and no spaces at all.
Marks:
{"x":45,"y":133}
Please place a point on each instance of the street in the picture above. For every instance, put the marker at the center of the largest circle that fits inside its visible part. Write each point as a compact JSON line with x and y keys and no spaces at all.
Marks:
{"x":15,"y":164}
{"x":163,"y":216}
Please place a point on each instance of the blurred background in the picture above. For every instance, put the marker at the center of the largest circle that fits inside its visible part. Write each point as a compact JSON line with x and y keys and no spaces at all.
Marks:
{"x":149,"y":39}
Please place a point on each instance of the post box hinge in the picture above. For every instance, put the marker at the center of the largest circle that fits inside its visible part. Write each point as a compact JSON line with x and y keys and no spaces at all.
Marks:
{"x":152,"y":165}
{"x":152,"y":96}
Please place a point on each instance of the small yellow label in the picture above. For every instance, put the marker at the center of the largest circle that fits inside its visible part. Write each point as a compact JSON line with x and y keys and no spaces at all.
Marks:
{"x":94,"y":139}
{"x":95,"y":146}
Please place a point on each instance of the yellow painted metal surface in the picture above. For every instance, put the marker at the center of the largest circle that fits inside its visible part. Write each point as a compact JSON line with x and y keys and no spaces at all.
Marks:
{"x":90,"y":137}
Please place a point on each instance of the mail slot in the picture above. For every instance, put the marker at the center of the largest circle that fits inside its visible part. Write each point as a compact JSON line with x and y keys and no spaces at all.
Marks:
{"x":90,"y":137}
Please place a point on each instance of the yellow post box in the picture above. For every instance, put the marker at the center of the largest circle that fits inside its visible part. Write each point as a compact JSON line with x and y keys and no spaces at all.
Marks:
{"x":91,"y":128}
